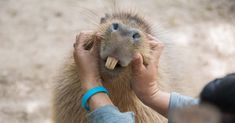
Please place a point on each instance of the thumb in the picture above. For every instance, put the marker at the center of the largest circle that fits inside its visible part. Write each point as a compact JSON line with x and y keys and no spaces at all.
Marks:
{"x":137,"y":63}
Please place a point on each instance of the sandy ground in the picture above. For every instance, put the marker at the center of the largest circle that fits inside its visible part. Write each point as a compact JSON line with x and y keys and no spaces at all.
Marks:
{"x":36,"y":36}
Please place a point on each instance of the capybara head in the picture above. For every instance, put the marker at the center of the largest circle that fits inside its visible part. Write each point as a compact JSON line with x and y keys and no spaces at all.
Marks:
{"x":122,"y":34}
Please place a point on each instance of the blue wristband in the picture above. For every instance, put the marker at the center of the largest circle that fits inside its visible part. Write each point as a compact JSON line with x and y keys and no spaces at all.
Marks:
{"x":90,"y":93}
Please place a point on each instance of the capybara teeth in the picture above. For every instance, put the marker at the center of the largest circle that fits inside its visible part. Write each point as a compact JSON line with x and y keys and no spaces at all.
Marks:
{"x":111,"y":63}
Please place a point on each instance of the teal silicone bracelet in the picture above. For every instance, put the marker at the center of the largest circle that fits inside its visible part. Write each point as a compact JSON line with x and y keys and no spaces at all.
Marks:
{"x":90,"y":93}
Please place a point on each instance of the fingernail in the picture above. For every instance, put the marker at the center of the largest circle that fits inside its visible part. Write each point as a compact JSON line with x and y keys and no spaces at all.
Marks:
{"x":136,"y":56}
{"x":150,"y":36}
{"x":98,"y":35}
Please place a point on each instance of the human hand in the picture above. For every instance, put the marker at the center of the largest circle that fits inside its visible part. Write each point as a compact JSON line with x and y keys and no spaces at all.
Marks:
{"x":87,"y":61}
{"x":144,"y":81}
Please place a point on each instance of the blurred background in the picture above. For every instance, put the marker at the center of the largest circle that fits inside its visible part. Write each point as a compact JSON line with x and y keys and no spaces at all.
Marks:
{"x":36,"y":36}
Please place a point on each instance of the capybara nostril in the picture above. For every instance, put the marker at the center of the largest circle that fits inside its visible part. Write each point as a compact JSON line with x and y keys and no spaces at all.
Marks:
{"x":115,"y":26}
{"x":136,"y":35}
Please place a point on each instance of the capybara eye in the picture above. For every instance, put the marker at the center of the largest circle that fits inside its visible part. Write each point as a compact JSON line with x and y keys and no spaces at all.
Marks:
{"x":115,"y":26}
{"x":136,"y":35}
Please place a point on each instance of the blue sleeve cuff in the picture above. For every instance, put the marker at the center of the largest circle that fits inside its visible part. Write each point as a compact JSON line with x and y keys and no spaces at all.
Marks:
{"x":110,"y":114}
{"x":178,"y":101}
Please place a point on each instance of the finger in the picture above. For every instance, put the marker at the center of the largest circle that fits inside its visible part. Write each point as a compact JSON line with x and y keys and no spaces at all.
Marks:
{"x":151,"y":37}
{"x":77,"y":44}
{"x":159,"y":48}
{"x":94,"y":45}
{"x":81,"y":38}
{"x":154,"y":42}
{"x":154,"y":60}
{"x":83,"y":33}
{"x":76,"y":48}
{"x":156,"y":45}
{"x":153,"y":45}
{"x":94,"y":48}
{"x":75,"y":56}
{"x":137,"y":63}
{"x":98,"y":36}
{"x":156,"y":55}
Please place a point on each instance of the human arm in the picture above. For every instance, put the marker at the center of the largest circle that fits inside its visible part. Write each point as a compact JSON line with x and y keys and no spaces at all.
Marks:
{"x":145,"y":83}
{"x":89,"y":74}
{"x":101,"y":106}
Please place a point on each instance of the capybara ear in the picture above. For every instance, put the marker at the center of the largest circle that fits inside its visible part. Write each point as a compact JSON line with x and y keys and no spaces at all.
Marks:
{"x":105,"y":18}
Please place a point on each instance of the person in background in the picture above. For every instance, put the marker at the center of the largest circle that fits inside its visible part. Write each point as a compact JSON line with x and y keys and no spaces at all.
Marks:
{"x":217,"y":104}
{"x":221,"y":94}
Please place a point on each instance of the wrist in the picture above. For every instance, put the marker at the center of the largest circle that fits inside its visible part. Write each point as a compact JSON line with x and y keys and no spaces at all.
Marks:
{"x":99,"y":100}
{"x":90,"y":82}
{"x":151,"y":99}
{"x":146,"y":95}
{"x":159,"y":102}
{"x":95,"y":97}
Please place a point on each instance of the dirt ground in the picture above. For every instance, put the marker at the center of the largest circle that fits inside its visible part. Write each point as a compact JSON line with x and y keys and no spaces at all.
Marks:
{"x":37,"y":35}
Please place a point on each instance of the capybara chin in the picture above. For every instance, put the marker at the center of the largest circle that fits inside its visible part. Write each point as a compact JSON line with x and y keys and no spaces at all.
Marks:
{"x":122,"y":34}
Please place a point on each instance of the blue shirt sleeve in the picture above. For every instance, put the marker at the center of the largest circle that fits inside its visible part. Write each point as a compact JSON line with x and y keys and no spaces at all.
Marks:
{"x":179,"y":101}
{"x":110,"y":114}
